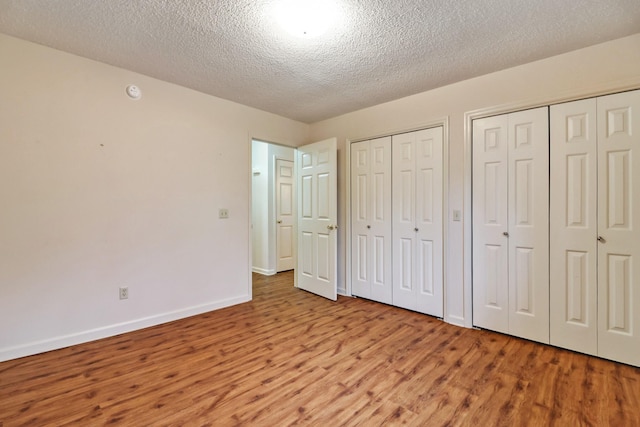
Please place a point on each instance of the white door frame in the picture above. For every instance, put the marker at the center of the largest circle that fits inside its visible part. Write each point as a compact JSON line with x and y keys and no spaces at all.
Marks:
{"x":444,"y":123}
{"x":271,"y":224}
{"x":273,"y":208}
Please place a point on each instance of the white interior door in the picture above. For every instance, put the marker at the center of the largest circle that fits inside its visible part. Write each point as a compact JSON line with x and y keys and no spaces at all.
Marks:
{"x":317,"y":216}
{"x":573,"y":227}
{"x":371,"y":219}
{"x":490,"y":224}
{"x":284,"y":215}
{"x":619,"y":227}
{"x":528,"y":216}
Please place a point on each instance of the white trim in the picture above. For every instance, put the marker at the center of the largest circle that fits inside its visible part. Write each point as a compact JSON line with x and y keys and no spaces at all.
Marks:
{"x":263,"y":271}
{"x":445,"y":218}
{"x":397,"y":131}
{"x":252,"y":269}
{"x":295,"y":217}
{"x":113,"y":330}
{"x":567,"y":96}
{"x":347,"y":229}
{"x":250,"y":222}
{"x":457,"y":320}
{"x":467,"y":307}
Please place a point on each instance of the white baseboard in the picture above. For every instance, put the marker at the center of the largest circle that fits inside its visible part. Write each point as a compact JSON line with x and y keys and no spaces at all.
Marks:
{"x":263,"y":271}
{"x":112,"y":330}
{"x":455,"y":320}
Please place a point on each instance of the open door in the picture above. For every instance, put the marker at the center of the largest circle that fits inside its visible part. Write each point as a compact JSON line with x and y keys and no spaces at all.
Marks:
{"x":317,"y":218}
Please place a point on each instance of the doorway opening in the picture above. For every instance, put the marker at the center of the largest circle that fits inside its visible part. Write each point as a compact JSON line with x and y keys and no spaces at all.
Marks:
{"x":272,"y":207}
{"x":307,"y":194}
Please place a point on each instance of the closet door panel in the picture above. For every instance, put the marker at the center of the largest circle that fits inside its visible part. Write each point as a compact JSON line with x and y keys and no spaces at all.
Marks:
{"x":573,"y":226}
{"x":490,"y":225}
{"x":404,"y":220}
{"x":528,"y":207}
{"x":371,"y":219}
{"x":360,"y":217}
{"x":417,"y":221}
{"x":429,"y":221}
{"x":380,"y":231}
{"x":619,"y":227}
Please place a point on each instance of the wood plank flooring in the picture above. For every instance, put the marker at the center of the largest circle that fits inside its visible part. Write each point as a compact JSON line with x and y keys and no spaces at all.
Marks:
{"x":292,"y":358}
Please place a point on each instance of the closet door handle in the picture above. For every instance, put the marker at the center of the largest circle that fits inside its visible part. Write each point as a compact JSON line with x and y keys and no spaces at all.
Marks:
{"x":505,"y":234}
{"x":601,"y":239}
{"x":416,"y":229}
{"x":368,"y":226}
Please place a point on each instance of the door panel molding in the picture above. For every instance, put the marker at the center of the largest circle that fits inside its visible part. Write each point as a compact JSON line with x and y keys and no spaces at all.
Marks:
{"x":318,"y":218}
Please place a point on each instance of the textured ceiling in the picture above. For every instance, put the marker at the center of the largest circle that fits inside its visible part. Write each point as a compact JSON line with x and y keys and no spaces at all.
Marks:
{"x":377,"y":51}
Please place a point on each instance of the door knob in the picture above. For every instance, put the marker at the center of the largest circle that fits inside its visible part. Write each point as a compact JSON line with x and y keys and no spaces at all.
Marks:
{"x":279,"y":221}
{"x":416,"y":229}
{"x":331,"y":227}
{"x":506,"y":234}
{"x":601,"y":239}
{"x":368,"y":226}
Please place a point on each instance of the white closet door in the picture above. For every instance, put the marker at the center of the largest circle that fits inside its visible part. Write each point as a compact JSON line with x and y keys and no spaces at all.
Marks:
{"x":490,"y":228}
{"x":404,"y":154}
{"x":417,"y":221}
{"x":573,"y":227}
{"x":528,"y":216}
{"x":360,"y":215}
{"x":619,"y":227}
{"x":381,"y":261}
{"x":371,"y":219}
{"x":429,"y":276}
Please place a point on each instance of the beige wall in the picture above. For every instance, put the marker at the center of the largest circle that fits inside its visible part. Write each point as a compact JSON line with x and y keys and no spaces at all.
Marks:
{"x":100,"y":191}
{"x":599,"y":69}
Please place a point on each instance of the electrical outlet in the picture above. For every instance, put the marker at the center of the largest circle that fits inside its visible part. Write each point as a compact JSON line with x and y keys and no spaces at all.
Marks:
{"x":223,"y":213}
{"x":124,"y":292}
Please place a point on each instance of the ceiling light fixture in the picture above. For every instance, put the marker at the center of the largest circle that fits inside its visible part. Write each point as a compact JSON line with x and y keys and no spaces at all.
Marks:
{"x":306,"y":18}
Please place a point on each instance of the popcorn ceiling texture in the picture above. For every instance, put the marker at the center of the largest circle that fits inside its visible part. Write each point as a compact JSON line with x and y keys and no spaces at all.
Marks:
{"x":379,"y":50}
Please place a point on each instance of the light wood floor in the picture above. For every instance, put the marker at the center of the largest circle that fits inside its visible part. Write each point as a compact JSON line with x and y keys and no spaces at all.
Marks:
{"x":289,"y":357}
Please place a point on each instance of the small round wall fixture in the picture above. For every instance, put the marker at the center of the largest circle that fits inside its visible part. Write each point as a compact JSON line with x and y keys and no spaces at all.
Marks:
{"x":134,"y":92}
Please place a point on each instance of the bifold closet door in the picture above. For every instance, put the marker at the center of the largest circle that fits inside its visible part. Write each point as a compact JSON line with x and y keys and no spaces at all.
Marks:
{"x":619,"y":227}
{"x":417,"y":221}
{"x":511,"y":223}
{"x":528,"y":183}
{"x":490,"y":224}
{"x":574,"y":226}
{"x":595,"y":240}
{"x":371,"y":219}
